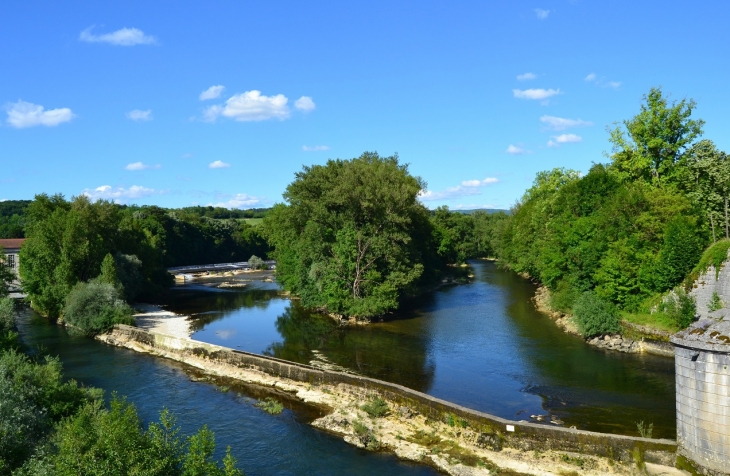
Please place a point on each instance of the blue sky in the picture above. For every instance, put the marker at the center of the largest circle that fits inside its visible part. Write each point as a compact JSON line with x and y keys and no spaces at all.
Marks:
{"x":182,"y":103}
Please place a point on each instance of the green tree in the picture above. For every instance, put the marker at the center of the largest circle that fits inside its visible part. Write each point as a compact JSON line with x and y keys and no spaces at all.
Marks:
{"x":353,"y":236}
{"x":7,"y":275}
{"x":595,"y":316}
{"x":707,"y":183}
{"x":650,"y":144}
{"x":94,"y":307}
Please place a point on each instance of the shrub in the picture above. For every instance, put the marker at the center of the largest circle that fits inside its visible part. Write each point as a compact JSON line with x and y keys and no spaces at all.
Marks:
{"x":269,"y":405}
{"x":594,"y":316}
{"x":256,"y":263}
{"x":7,"y":315}
{"x":715,"y":303}
{"x":563,"y":298}
{"x":94,"y":307}
{"x":680,"y":307}
{"x":376,"y":408}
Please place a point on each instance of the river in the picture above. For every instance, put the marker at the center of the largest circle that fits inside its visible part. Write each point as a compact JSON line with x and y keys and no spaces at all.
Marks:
{"x":482,"y":345}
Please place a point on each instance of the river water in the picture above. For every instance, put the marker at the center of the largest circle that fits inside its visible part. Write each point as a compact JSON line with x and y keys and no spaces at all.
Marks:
{"x":264,"y":444}
{"x":482,"y":345}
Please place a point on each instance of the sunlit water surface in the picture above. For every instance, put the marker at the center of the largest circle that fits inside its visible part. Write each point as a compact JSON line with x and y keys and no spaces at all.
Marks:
{"x":482,"y":345}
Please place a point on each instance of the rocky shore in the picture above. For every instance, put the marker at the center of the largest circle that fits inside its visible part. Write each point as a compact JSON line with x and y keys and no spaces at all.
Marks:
{"x":651,"y":341}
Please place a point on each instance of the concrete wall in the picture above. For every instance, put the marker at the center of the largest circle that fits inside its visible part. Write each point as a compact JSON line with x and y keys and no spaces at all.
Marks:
{"x":495,"y":431}
{"x":703,"y":407}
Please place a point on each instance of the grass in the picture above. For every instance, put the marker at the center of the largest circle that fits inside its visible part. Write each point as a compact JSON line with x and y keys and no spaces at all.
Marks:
{"x":454,"y":421}
{"x":269,"y":405}
{"x":366,"y":435}
{"x":658,"y":320}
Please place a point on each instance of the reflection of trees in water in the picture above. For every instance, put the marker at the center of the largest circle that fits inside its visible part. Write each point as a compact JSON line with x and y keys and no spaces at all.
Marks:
{"x":609,"y":390}
{"x":370,"y":350}
{"x":205,"y":307}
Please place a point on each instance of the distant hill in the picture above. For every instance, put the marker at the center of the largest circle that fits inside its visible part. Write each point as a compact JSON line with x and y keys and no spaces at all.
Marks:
{"x":487,"y":210}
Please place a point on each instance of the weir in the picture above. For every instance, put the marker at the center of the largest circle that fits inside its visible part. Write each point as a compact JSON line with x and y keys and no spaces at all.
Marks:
{"x":494,"y":432}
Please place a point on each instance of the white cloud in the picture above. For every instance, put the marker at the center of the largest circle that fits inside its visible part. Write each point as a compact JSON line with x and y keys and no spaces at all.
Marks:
{"x":526,"y":76}
{"x":120,"y":194}
{"x":218,"y":164}
{"x":564,"y":139}
{"x":188,"y":155}
{"x":141,"y":166}
{"x":541,"y":14}
{"x":560,"y":123}
{"x":515,"y":150}
{"x":305,"y":104}
{"x":122,"y":37}
{"x":614,"y":84}
{"x":535,"y":93}
{"x":240,"y":200}
{"x":315,"y":148}
{"x":211,"y":93}
{"x":24,"y":114}
{"x":467,"y":187}
{"x":140,"y":115}
{"x":591,"y":77}
{"x":601,"y":81}
{"x":250,"y":106}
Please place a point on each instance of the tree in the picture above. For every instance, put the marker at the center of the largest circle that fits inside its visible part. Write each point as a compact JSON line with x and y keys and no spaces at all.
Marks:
{"x":707,"y":182}
{"x":352,"y":238}
{"x":7,"y":275}
{"x":654,"y":140}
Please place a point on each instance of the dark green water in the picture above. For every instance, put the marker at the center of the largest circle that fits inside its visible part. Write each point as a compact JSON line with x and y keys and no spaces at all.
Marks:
{"x":263,"y":444}
{"x":482,"y":345}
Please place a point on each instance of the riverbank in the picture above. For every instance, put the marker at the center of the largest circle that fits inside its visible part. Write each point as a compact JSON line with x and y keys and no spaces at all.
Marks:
{"x":634,"y":338}
{"x":416,"y":427}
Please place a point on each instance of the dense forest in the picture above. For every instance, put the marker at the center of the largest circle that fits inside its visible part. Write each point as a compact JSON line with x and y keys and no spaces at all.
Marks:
{"x":622,"y":236}
{"x":72,"y":242}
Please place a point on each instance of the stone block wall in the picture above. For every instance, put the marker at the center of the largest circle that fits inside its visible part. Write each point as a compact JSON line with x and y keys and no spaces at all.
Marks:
{"x":703,"y":407}
{"x":710,"y":282}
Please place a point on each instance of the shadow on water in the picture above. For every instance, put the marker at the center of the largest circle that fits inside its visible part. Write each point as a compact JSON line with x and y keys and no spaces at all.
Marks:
{"x":482,"y":345}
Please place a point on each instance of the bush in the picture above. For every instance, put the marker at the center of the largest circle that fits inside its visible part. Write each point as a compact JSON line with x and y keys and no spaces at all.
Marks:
{"x":270,"y":405}
{"x":7,"y":315}
{"x":594,"y":316}
{"x":563,"y":298}
{"x":680,"y":307}
{"x":94,"y":307}
{"x":376,"y":408}
{"x":256,"y":263}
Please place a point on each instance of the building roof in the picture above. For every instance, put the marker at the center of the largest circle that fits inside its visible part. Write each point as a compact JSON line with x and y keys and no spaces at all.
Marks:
{"x":11,"y":243}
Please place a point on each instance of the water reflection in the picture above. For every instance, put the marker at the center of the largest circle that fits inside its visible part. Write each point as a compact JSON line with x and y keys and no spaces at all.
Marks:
{"x":482,"y":345}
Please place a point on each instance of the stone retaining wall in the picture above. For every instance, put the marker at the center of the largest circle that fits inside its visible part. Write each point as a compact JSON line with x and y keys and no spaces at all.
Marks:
{"x":495,"y":432}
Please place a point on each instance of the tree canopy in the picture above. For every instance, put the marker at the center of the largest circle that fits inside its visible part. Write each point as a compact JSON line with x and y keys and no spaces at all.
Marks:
{"x":353,"y":237}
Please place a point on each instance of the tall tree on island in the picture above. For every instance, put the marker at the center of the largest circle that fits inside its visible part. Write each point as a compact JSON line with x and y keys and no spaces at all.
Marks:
{"x":353,"y":237}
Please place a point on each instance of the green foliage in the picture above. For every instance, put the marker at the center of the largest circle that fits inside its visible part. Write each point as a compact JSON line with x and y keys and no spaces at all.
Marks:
{"x":715,"y":303}
{"x":94,"y":307}
{"x":563,"y":298}
{"x":713,"y":256}
{"x":654,"y":140}
{"x":7,"y":276}
{"x":109,"y":271}
{"x":256,"y":263}
{"x":376,"y":408}
{"x":680,"y":307}
{"x":454,"y":235}
{"x":7,"y":315}
{"x":645,"y":431}
{"x":455,"y":421}
{"x":12,"y":218}
{"x":354,"y":238}
{"x":595,"y":316}
{"x":270,"y":405}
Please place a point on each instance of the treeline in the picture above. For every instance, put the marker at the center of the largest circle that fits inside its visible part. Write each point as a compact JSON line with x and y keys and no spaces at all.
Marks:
{"x":12,"y":218}
{"x":629,"y":231}
{"x":124,"y":250}
{"x":50,"y":425}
